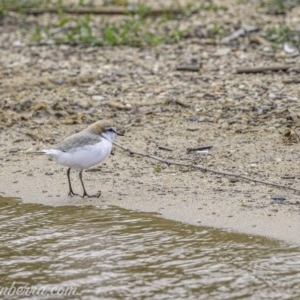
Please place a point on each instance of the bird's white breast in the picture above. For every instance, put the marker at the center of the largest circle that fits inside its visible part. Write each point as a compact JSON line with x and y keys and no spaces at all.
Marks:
{"x":82,"y":157}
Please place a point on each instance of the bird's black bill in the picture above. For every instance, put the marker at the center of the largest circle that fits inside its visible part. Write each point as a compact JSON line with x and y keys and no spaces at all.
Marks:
{"x":119,"y":133}
{"x":112,"y":129}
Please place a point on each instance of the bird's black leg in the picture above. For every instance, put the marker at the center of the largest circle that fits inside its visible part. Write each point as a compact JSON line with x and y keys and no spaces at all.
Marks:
{"x":85,"y":194}
{"x":71,"y":193}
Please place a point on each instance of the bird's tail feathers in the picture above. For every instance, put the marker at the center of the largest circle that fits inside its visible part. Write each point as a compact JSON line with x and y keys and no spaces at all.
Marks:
{"x":45,"y":152}
{"x":39,"y":152}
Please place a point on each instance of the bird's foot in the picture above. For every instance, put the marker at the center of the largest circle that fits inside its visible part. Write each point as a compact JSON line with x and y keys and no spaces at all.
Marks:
{"x":71,"y":194}
{"x":85,"y":194}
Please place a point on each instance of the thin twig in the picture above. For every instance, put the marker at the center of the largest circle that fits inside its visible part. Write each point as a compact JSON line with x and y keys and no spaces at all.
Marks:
{"x":204,"y":169}
{"x":178,"y":102}
{"x":200,"y":148}
{"x":188,"y":67}
{"x":295,"y":80}
{"x":238,"y":33}
{"x":164,"y":148}
{"x":263,"y":69}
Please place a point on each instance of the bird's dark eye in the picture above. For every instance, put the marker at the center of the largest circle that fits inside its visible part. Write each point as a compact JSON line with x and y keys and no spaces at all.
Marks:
{"x":110,"y":129}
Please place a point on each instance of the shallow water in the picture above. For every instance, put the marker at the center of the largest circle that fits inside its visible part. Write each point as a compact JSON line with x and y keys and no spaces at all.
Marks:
{"x":92,"y":253}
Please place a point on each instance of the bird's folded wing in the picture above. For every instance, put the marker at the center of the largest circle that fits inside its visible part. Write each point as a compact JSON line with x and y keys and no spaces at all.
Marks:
{"x":77,"y":140}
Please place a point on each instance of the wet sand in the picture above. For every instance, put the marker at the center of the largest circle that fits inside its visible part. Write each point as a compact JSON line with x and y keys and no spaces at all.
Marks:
{"x":176,"y":193}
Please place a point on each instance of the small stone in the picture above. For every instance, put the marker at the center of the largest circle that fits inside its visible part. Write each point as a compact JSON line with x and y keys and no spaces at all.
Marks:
{"x":58,"y":81}
{"x":192,"y":128}
{"x":222,"y":51}
{"x":149,"y":95}
{"x":278,"y":197}
{"x":272,"y":96}
{"x":97,"y":98}
{"x":17,"y":44}
{"x":262,"y":110}
{"x":194,"y":118}
{"x":233,"y":180}
{"x":289,"y":48}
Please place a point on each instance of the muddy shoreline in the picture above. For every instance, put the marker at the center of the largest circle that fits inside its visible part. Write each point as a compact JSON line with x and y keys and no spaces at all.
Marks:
{"x":173,"y":192}
{"x":251,"y":121}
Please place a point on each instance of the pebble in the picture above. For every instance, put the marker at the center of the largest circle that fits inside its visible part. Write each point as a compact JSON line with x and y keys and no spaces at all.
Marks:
{"x":194,"y":118}
{"x":262,"y":110}
{"x":58,"y":81}
{"x":222,"y":51}
{"x":289,"y":48}
{"x":97,"y":98}
{"x":233,"y":180}
{"x":149,"y":95}
{"x":17,"y":44}
{"x":278,"y":197}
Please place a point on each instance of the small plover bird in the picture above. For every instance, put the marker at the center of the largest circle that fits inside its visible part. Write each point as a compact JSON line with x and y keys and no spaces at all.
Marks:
{"x":83,"y":150}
